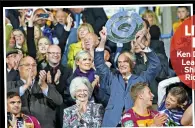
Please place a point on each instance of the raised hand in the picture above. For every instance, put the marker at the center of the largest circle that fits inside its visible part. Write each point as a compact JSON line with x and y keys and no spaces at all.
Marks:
{"x":103,"y":35}
{"x":22,"y":18}
{"x":69,"y":22}
{"x":42,"y":78}
{"x":160,"y":119}
{"x":49,"y":77}
{"x":57,"y":77}
{"x":13,"y":122}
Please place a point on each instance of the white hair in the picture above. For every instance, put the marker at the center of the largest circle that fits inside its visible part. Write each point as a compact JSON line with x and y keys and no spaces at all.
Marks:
{"x":77,"y":81}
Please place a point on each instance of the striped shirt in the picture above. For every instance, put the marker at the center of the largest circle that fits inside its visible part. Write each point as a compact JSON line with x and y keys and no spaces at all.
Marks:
{"x":174,"y":115}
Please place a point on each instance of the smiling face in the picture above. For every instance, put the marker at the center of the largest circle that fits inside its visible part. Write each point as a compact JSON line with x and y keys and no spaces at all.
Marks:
{"x":54,"y":54}
{"x":123,"y":64}
{"x":171,"y":101}
{"x":85,"y":62}
{"x":43,"y":45}
{"x":19,"y":37}
{"x":14,"y":105}
{"x":82,"y":32}
{"x":147,"y":96}
{"x":82,"y":93}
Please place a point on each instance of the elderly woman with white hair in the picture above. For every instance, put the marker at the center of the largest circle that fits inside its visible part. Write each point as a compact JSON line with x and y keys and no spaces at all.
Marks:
{"x":84,"y":113}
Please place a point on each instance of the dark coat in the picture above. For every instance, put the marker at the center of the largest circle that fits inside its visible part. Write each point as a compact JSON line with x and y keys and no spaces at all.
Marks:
{"x":35,"y":103}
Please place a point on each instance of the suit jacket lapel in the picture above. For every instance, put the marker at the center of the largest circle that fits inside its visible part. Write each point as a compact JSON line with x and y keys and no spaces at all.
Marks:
{"x":130,"y":82}
{"x":121,"y":81}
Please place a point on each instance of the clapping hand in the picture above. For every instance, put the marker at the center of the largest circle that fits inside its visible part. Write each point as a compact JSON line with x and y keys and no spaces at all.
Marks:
{"x":57,"y":77}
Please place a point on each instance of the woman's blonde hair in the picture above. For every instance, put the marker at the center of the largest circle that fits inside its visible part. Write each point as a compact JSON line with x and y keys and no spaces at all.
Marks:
{"x":90,"y":29}
{"x":41,"y":56}
{"x":151,"y":13}
{"x":78,"y":56}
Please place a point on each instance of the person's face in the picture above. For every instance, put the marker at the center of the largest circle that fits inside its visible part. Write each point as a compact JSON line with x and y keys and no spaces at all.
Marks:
{"x":147,"y":96}
{"x":37,"y":33}
{"x":60,"y":17}
{"x":150,"y":19}
{"x":89,"y":41}
{"x":12,"y":60}
{"x":54,"y":55}
{"x":14,"y":105}
{"x":83,"y":31}
{"x":43,"y":45}
{"x":28,"y":66}
{"x":19,"y":37}
{"x":182,"y":13}
{"x":123,"y":64}
{"x":85,"y":63}
{"x":40,"y":22}
{"x":171,"y":101}
{"x":106,"y":55}
{"x":12,"y":41}
{"x":82,"y":93}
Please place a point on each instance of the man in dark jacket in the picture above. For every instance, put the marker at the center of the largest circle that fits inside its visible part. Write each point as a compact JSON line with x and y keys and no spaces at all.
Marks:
{"x":38,"y":98}
{"x":57,"y":75}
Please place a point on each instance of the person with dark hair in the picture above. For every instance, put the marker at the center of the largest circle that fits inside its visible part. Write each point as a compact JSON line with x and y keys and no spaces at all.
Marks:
{"x":14,"y":115}
{"x":182,"y":13}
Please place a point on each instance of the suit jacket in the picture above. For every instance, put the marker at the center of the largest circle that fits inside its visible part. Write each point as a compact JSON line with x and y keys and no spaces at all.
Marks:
{"x":12,"y":75}
{"x":119,"y":96}
{"x":35,"y":103}
{"x":92,"y":118}
{"x":96,"y":17}
{"x":66,"y":72}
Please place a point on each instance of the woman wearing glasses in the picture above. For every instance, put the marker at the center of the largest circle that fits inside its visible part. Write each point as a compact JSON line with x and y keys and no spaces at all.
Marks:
{"x":84,"y":113}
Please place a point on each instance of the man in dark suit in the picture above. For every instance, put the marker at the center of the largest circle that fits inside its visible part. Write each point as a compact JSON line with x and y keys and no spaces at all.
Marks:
{"x":57,"y":75}
{"x":39,"y":99}
{"x":120,"y":83}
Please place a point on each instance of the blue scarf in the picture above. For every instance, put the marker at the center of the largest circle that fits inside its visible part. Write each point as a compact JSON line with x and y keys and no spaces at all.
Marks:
{"x":48,"y":33}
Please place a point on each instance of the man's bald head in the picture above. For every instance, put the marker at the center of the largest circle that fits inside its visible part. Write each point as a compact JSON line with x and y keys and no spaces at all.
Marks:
{"x":61,"y":16}
{"x":53,"y":55}
{"x":27,"y":66}
{"x":90,"y":40}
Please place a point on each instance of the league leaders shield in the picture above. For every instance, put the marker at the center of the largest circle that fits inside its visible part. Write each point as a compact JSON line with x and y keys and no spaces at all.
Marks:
{"x":123,"y":26}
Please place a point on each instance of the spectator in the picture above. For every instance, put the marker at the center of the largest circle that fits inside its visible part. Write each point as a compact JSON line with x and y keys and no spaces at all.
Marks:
{"x":139,"y":115}
{"x":119,"y":98}
{"x":151,"y":17}
{"x":38,"y":98}
{"x":174,"y":104}
{"x":76,"y":47}
{"x":12,"y":61}
{"x":14,"y":115}
{"x":57,"y":75}
{"x":84,"y":113}
{"x":182,"y":14}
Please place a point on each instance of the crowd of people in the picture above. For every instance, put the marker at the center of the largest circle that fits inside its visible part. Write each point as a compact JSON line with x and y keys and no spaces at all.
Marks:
{"x":62,"y":72}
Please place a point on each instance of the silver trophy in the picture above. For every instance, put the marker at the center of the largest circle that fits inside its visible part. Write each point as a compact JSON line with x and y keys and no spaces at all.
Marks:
{"x":123,"y":26}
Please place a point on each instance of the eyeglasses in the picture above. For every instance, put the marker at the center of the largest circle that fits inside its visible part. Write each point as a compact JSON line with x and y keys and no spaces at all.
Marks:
{"x":53,"y":53}
{"x":28,"y":65}
{"x":81,"y":90}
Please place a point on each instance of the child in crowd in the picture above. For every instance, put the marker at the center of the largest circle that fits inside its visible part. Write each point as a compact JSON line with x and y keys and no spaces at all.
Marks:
{"x":174,"y":104}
